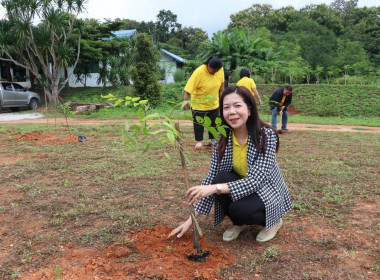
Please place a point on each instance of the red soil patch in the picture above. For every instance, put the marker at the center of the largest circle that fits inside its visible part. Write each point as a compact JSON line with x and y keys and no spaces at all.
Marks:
{"x":47,"y":138}
{"x":146,"y":253}
{"x":292,"y":110}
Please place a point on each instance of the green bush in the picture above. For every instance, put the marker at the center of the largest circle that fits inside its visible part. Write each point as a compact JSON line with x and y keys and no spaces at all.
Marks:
{"x":173,"y":92}
{"x":330,"y":100}
{"x":179,"y":75}
{"x":356,"y":80}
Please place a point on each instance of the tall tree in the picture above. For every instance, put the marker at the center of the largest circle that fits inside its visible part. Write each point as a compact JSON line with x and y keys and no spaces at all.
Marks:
{"x":325,"y":16}
{"x":166,"y":25}
{"x":314,"y":49}
{"x":145,"y":70}
{"x":345,"y":8}
{"x":46,"y":46}
{"x":192,"y":38}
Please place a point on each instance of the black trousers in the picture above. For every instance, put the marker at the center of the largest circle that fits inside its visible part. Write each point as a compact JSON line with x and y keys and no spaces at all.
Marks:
{"x":249,"y":210}
{"x":199,"y":129}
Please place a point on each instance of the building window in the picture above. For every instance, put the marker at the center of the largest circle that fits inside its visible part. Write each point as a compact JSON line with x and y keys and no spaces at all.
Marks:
{"x":88,"y":68}
{"x":19,"y":74}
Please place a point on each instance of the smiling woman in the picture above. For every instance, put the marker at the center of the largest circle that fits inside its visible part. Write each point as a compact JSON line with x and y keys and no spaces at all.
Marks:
{"x":244,"y":180}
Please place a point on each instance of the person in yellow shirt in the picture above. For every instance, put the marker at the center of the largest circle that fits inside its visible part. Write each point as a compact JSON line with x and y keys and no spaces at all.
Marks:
{"x":204,"y":87}
{"x":246,"y":81}
{"x":244,"y":182}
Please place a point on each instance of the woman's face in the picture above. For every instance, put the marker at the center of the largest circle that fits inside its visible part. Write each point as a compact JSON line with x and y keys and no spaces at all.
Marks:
{"x":235,"y":111}
{"x":212,"y":71}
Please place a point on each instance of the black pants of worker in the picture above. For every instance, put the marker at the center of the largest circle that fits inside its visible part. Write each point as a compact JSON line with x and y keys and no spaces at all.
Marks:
{"x":249,"y":210}
{"x":199,"y":129}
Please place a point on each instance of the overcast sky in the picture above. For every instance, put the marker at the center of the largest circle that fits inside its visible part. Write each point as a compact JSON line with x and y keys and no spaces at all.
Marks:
{"x":210,"y":15}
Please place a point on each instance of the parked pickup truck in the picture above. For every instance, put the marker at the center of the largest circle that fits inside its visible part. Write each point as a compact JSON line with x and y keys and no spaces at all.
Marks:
{"x":14,"y":96}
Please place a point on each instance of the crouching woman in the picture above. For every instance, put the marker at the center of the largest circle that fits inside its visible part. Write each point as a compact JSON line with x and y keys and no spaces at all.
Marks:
{"x":244,"y":180}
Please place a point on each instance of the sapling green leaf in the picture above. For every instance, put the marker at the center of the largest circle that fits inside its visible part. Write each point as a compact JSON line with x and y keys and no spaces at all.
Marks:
{"x":171,"y":137}
{"x":151,"y":117}
{"x":140,"y":113}
{"x":222,"y":130}
{"x":213,"y":131}
{"x":199,"y":119}
{"x":207,"y":121}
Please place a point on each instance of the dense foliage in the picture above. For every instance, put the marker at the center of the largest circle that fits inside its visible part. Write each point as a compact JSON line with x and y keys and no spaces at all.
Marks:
{"x":44,"y":49}
{"x":308,"y":100}
{"x":319,"y":44}
{"x":145,"y":70}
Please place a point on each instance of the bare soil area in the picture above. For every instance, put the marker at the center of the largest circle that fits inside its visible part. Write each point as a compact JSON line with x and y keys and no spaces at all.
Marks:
{"x":291,"y":126}
{"x":40,"y":205}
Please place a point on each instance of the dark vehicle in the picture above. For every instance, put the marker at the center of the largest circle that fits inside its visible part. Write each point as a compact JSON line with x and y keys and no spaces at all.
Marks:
{"x":14,"y":96}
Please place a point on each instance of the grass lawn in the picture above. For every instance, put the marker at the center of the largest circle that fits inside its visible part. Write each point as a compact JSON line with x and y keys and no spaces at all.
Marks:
{"x":69,"y":208}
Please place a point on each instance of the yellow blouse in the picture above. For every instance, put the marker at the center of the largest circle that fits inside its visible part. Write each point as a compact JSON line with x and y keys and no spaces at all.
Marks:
{"x":239,"y":158}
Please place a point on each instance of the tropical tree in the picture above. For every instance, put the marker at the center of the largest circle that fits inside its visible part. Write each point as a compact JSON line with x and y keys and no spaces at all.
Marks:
{"x":47,"y":46}
{"x":236,"y":48}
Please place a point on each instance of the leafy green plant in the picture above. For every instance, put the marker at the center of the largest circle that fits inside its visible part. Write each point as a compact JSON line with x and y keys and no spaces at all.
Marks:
{"x":65,"y":109}
{"x":272,"y":252}
{"x":166,"y":130}
{"x":179,"y":75}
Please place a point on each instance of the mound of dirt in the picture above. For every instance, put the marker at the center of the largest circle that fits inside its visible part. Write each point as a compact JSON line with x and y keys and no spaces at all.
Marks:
{"x":147,"y":253}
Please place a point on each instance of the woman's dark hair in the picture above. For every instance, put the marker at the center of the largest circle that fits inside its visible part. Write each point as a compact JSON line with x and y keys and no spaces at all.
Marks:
{"x":227,"y":75}
{"x":254,"y":123}
{"x":244,"y":73}
{"x":214,"y":62}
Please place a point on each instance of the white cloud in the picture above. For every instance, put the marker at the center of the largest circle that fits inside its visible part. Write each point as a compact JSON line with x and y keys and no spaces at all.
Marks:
{"x":210,"y":15}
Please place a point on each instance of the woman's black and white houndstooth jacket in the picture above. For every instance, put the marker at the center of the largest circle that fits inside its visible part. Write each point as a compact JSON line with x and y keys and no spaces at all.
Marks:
{"x":263,"y":177}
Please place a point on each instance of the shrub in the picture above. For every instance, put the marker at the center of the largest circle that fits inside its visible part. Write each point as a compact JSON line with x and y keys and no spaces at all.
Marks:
{"x":179,"y":75}
{"x":173,"y":92}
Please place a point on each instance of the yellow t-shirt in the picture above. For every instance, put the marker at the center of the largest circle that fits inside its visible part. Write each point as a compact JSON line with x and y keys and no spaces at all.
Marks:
{"x":248,"y":83}
{"x":202,"y":84}
{"x":239,"y":157}
{"x":282,"y":100}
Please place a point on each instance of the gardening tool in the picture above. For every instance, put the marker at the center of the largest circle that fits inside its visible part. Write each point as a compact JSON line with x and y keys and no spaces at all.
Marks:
{"x":197,"y":232}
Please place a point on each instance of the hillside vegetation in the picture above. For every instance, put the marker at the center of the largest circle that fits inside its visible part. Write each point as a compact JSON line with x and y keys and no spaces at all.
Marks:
{"x":308,"y":99}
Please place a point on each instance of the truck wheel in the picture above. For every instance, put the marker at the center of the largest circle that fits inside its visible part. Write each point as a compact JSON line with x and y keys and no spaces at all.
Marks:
{"x":34,"y":104}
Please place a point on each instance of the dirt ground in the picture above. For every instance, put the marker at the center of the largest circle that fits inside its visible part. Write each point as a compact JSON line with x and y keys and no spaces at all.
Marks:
{"x":148,"y":254}
{"x":291,"y":126}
